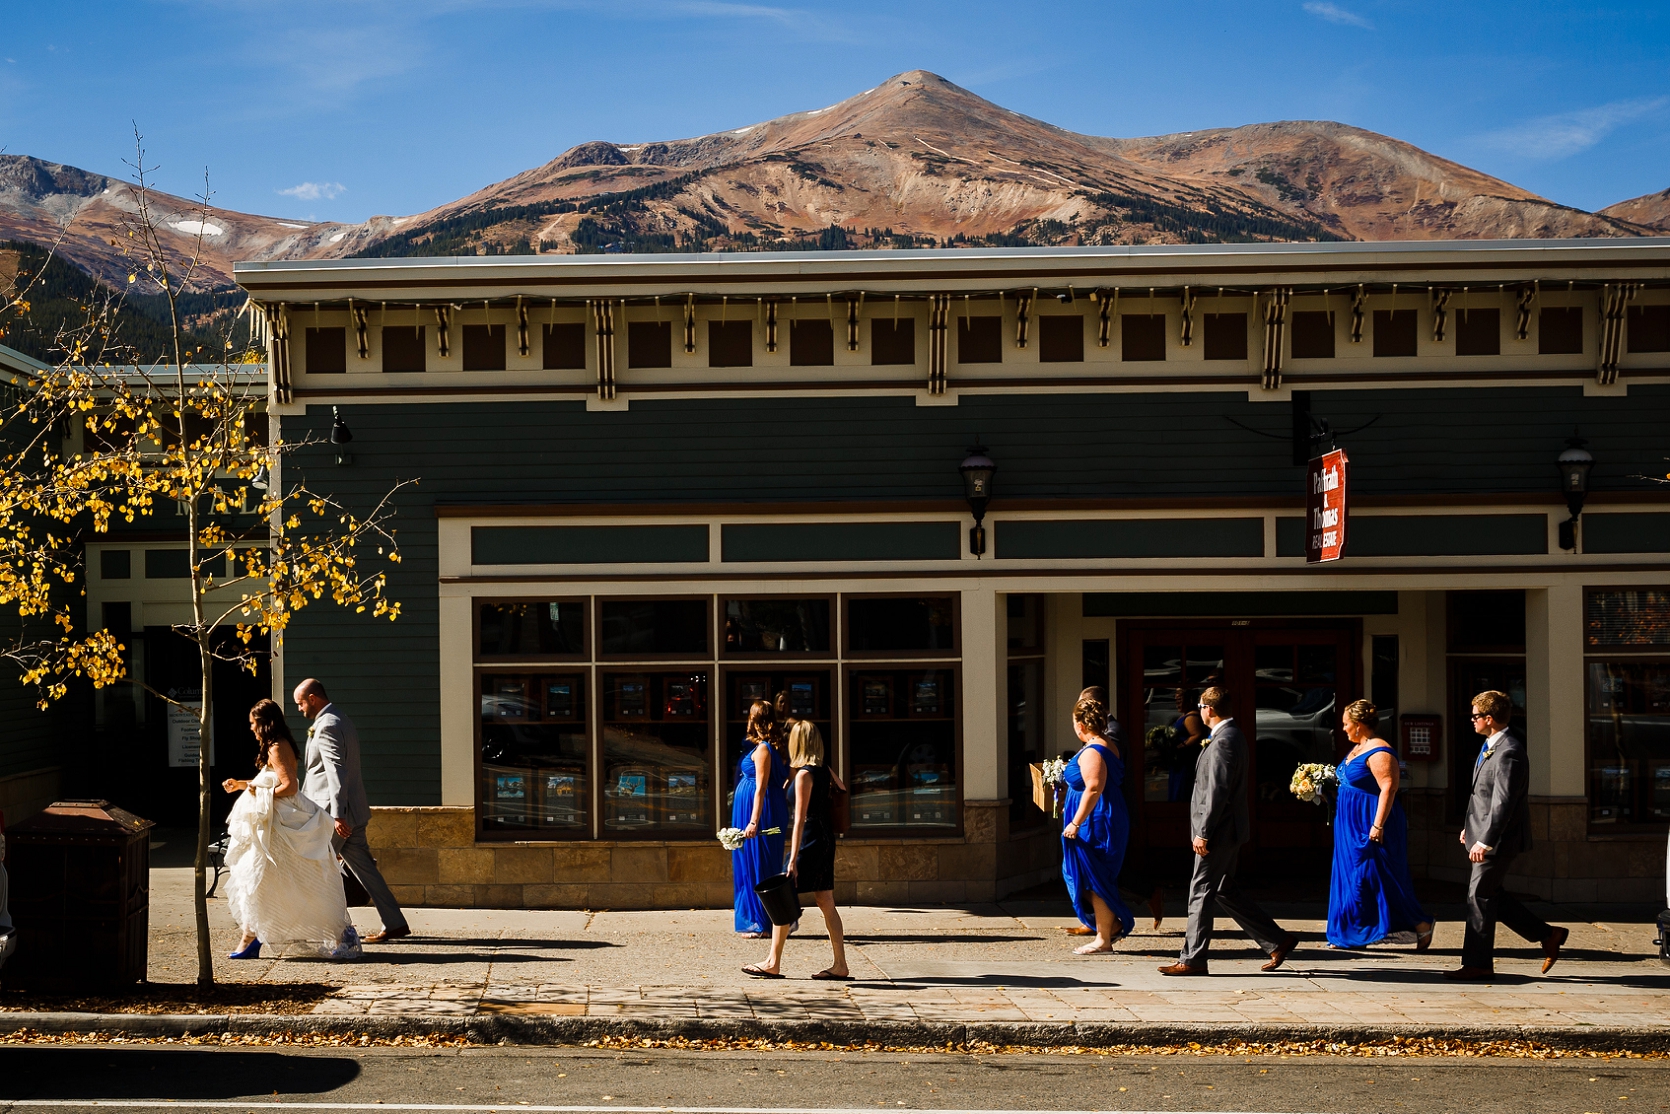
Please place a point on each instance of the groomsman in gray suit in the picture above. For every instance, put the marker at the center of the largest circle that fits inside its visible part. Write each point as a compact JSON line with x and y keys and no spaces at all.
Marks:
{"x":331,"y":779}
{"x":1220,"y":823}
{"x":1498,"y":828}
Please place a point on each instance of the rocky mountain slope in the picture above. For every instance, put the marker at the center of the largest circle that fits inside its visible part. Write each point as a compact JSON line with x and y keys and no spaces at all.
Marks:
{"x":917,"y":161}
{"x":1651,"y":211}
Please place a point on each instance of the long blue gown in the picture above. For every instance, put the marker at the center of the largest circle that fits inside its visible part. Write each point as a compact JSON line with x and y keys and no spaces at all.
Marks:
{"x":1090,"y":863}
{"x":1371,"y":895}
{"x":762,"y":856}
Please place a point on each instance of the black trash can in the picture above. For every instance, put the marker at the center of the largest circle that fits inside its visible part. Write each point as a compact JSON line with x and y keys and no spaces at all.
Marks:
{"x":80,"y":897}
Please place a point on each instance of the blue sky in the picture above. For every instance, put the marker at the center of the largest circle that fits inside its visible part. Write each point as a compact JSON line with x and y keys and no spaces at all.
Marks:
{"x":340,"y":110}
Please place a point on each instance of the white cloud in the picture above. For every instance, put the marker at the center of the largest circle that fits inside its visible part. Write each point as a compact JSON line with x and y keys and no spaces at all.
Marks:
{"x":1333,"y":13}
{"x":313,"y":191}
{"x":1555,"y":137}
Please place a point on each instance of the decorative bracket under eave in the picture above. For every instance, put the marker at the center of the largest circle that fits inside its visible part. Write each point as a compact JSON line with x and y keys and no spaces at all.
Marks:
{"x":939,"y":312}
{"x":1613,"y":298}
{"x":1275,"y":324}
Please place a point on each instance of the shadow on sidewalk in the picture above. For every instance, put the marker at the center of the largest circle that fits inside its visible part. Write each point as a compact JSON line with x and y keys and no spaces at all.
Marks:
{"x":44,"y":1072}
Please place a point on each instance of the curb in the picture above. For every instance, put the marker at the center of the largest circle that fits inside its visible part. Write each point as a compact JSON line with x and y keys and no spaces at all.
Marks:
{"x":509,"y":1029}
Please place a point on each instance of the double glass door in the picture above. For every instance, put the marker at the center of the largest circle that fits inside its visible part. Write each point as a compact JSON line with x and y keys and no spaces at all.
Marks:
{"x":1289,"y":684}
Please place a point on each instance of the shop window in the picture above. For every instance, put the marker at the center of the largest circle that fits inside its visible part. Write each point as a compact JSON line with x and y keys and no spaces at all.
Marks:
{"x":1173,"y":677}
{"x":730,"y":344}
{"x":657,"y":753}
{"x":532,"y":629}
{"x":1142,"y":336}
{"x":892,"y":341}
{"x":1625,"y":618}
{"x":175,"y":564}
{"x":1486,"y":622}
{"x":1025,"y":617}
{"x":1649,"y":328}
{"x":564,"y":347}
{"x":777,"y":626}
{"x":1312,"y":334}
{"x":327,"y":350}
{"x":811,"y":344}
{"x":901,"y":624}
{"x":1560,"y":331}
{"x":118,"y":618}
{"x":1025,"y":712}
{"x":1061,"y":339}
{"x":403,"y":348}
{"x":903,"y":749}
{"x":980,"y":340}
{"x":653,"y":628}
{"x":1095,"y":663}
{"x":1394,"y":332}
{"x":533,"y":754}
{"x":484,"y":348}
{"x":649,"y":344}
{"x":802,"y":694}
{"x":1225,"y":336}
{"x":1383,"y":678}
{"x":1629,"y":743}
{"x":1478,"y":332}
{"x":115,"y":564}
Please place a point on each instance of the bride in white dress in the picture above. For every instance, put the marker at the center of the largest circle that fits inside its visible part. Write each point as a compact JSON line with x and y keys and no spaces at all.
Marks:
{"x":283,"y":884}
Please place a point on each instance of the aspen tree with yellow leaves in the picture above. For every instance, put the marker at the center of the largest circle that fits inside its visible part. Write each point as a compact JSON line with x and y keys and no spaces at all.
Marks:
{"x":100,"y":436}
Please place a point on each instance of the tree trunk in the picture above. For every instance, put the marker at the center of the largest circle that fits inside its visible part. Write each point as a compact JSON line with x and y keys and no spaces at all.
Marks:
{"x":205,"y":746}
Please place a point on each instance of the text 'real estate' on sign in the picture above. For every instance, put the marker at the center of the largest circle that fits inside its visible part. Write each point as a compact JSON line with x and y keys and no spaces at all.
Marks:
{"x":1325,"y":489}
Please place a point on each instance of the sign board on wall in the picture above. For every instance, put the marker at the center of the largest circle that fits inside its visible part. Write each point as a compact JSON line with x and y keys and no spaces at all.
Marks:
{"x":184,"y":735}
{"x":1325,"y":495}
{"x":1421,"y":737}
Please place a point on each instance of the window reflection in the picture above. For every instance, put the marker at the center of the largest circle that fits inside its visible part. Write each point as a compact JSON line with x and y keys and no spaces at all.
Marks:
{"x":1173,"y":678}
{"x":904,"y":749}
{"x":657,"y":751}
{"x":1629,"y":742}
{"x":533,"y":752}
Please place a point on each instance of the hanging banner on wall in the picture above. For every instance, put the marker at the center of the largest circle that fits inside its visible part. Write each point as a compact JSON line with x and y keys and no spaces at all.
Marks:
{"x":1325,"y":498}
{"x":184,"y":735}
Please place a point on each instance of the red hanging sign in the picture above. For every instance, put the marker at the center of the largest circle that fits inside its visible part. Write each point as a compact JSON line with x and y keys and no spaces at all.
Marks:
{"x":1325,"y":489}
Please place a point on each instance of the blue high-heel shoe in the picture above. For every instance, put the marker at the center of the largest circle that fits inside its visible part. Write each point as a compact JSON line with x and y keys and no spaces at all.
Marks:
{"x":251,"y":952}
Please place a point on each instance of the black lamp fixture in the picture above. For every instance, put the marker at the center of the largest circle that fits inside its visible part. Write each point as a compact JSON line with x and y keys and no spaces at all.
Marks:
{"x":261,"y":479}
{"x":1574,"y":465}
{"x":1065,"y":298}
{"x":341,"y":435}
{"x":977,"y":469}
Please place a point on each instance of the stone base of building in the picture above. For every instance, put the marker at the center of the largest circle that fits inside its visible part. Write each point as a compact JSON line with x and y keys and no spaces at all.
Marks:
{"x":23,"y":795}
{"x":1566,"y":861}
{"x":430,"y":856}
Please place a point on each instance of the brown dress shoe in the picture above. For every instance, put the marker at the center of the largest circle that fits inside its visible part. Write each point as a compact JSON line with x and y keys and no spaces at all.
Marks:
{"x":1079,"y":930}
{"x":1551,"y":947}
{"x":1157,"y":906}
{"x":1470,"y":974}
{"x":1182,"y":969}
{"x":384,"y":935}
{"x":1283,"y":949}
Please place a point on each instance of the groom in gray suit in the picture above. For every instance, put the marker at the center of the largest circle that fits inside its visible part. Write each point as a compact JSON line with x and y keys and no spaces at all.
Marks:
{"x":1220,"y":823}
{"x":1497,"y":828}
{"x":331,"y":779}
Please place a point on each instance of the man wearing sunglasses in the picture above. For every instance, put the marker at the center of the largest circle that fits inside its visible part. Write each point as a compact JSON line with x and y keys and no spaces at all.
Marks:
{"x":1496,"y":830}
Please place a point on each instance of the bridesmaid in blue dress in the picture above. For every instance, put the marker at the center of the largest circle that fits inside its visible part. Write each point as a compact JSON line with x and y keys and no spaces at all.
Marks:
{"x":759,"y":804}
{"x":1371,"y":894}
{"x":1098,"y":826}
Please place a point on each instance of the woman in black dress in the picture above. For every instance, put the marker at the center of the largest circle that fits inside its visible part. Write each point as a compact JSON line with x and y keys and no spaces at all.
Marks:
{"x":811,"y":851}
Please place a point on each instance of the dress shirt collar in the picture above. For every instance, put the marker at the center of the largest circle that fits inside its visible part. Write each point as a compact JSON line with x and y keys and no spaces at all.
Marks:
{"x":1490,"y":743}
{"x":1221,"y":724}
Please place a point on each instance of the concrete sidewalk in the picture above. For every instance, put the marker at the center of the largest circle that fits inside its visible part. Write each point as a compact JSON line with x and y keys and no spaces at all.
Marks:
{"x":1005,"y":963}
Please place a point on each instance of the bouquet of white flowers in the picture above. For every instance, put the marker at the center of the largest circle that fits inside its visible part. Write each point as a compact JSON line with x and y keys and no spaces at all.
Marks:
{"x":1314,"y":782}
{"x":1055,"y":771}
{"x":732,"y":839}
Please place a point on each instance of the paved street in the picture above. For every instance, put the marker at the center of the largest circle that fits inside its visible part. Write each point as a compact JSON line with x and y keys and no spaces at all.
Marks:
{"x":998,"y":963}
{"x":580,"y":1080}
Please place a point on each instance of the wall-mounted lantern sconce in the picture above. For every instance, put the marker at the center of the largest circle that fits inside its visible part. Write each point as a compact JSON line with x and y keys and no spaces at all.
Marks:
{"x":1574,"y":465}
{"x":977,"y":469}
{"x":341,"y":435}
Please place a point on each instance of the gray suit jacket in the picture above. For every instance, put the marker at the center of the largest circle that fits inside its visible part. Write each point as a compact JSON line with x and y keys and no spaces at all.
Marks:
{"x":1498,"y":812}
{"x":331,"y":778}
{"x":1218,"y":808}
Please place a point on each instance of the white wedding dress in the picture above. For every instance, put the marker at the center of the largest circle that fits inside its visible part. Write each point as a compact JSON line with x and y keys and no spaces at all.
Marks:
{"x":283,"y":882}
